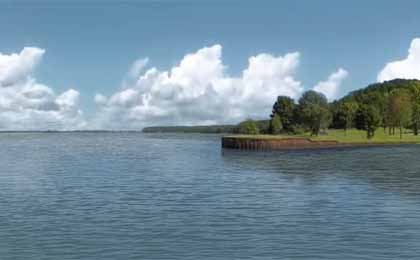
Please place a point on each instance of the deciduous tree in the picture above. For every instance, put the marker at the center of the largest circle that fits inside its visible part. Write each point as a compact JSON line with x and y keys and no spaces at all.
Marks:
{"x":400,"y":109}
{"x":285,"y":107}
{"x":314,"y":111}
{"x":346,"y":113}
{"x":371,"y":119}
{"x":275,"y":125}
{"x":248,"y":127}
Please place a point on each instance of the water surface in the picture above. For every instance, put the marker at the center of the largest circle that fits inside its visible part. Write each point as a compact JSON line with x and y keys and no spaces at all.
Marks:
{"x":174,"y":196}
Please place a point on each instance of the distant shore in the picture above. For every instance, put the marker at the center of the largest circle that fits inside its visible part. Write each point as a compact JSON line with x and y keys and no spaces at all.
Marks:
{"x":204,"y":129}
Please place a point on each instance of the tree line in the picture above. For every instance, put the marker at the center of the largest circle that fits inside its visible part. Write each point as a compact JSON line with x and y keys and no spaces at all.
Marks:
{"x":389,"y":105}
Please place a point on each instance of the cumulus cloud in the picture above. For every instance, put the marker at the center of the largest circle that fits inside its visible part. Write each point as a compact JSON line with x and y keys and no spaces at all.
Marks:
{"x":16,"y":67}
{"x":408,"y":68}
{"x":199,"y":91}
{"x":330,"y":87}
{"x":137,"y":67}
{"x":26,"y":104}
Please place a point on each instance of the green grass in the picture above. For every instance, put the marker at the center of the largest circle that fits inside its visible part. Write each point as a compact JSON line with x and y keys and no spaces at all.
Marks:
{"x":265,"y":137}
{"x":352,"y":136}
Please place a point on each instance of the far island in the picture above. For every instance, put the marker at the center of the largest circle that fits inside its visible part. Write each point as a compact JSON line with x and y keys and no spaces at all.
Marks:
{"x":385,"y":113}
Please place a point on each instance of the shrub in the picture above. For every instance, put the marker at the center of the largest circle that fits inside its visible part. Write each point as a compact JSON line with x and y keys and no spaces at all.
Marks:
{"x":248,"y":127}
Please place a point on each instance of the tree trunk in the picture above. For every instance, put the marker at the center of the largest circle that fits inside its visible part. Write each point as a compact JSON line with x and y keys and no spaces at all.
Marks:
{"x":370,"y":134}
{"x":401,"y":131}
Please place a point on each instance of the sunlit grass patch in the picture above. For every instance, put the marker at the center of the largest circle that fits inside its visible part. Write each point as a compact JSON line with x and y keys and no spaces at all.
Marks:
{"x":349,"y":136}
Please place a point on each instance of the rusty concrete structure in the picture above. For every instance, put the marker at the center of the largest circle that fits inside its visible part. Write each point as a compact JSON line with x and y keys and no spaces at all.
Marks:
{"x":250,"y":143}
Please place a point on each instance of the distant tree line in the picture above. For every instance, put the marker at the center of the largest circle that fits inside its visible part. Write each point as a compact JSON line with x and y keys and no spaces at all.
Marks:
{"x":389,"y":105}
{"x":204,"y":129}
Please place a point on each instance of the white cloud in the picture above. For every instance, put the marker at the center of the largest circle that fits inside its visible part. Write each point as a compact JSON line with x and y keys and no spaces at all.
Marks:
{"x":26,"y":104}
{"x":16,"y":67}
{"x":199,"y":91}
{"x":137,"y":67}
{"x":330,"y":87}
{"x":196,"y":91}
{"x":408,"y":68}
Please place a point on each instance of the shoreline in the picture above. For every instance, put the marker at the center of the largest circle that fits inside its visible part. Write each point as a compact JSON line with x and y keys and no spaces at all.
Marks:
{"x":293,"y":143}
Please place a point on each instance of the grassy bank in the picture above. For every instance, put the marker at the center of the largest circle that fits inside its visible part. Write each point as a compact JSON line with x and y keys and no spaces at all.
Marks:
{"x":352,"y":136}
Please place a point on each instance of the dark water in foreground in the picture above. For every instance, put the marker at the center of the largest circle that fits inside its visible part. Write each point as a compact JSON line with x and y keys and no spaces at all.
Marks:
{"x":135,"y":196}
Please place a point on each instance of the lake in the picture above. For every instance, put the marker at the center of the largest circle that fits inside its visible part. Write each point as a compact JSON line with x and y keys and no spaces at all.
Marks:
{"x":173,"y":196}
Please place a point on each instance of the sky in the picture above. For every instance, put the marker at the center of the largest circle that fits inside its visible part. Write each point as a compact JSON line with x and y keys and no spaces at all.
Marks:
{"x":67,"y":65}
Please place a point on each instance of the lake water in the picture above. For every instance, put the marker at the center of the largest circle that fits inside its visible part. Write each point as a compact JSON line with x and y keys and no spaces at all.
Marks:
{"x":174,"y":196}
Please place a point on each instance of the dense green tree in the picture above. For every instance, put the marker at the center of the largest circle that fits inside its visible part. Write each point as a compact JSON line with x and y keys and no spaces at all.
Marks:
{"x":378,"y":95}
{"x":399,"y":109}
{"x":389,"y":114}
{"x":415,"y":118}
{"x":314,"y":111}
{"x":376,"y":99}
{"x":285,"y":108}
{"x":346,"y":112}
{"x":263,"y":126}
{"x":248,"y":127}
{"x":391,"y":104}
{"x":386,"y":115}
{"x":415,"y":113}
{"x":275,"y":125}
{"x":371,"y":119}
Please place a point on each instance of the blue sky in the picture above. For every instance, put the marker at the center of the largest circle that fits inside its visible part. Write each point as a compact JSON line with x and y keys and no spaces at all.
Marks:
{"x":90,"y":45}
